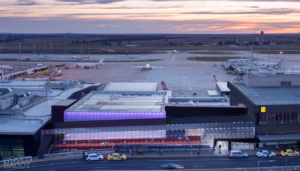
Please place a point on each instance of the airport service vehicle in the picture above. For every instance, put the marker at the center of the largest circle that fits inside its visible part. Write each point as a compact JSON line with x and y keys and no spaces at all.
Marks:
{"x":237,"y":154}
{"x":116,"y":156}
{"x":289,"y":152}
{"x":89,"y":65}
{"x":265,"y":153}
{"x":147,"y":67}
{"x":171,"y":166}
{"x":174,"y":51}
{"x":94,"y":157}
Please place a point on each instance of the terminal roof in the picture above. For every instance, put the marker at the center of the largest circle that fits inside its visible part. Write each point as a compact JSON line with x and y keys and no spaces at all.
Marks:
{"x":131,"y":86}
{"x":37,"y":115}
{"x":105,"y":101}
{"x":271,"y":95}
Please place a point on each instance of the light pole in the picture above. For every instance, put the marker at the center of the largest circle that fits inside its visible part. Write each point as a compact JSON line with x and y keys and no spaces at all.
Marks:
{"x":1,"y":65}
{"x":65,"y":54}
{"x":50,"y":54}
{"x":34,"y":58}
{"x":19,"y":54}
{"x":89,"y":50}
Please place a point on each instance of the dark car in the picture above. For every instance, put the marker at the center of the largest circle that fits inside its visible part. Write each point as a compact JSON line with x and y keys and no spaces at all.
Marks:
{"x":171,"y":166}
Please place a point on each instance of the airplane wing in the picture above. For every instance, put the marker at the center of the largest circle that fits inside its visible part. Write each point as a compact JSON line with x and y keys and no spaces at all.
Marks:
{"x":145,"y":66}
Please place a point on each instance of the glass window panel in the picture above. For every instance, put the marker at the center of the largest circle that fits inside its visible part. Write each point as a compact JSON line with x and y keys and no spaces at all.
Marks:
{"x":5,"y":144}
{"x":18,"y":153}
{"x":5,"y":153}
{"x":294,"y":117}
{"x":271,"y":118}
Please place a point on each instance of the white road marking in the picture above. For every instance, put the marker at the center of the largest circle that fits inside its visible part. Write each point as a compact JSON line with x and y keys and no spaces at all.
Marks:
{"x":173,"y":57}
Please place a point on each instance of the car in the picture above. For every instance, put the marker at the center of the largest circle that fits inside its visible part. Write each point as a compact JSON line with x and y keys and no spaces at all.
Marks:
{"x":238,"y":154}
{"x":265,"y":153}
{"x":289,"y":152}
{"x":116,"y":156}
{"x":94,"y":157}
{"x":171,"y":166}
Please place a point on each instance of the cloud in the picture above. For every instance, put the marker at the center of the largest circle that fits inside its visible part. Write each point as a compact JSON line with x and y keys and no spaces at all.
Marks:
{"x":25,"y":2}
{"x":91,"y":1}
{"x":274,"y":11}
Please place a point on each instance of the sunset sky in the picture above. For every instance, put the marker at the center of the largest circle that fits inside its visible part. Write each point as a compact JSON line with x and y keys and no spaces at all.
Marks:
{"x":149,"y":16}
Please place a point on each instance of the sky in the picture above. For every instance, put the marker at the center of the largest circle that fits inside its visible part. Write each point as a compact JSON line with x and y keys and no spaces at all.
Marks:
{"x":150,"y":16}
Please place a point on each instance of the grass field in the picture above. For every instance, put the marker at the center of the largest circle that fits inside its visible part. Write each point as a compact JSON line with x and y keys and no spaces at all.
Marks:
{"x":278,"y":52}
{"x":219,"y":59}
{"x":212,"y":53}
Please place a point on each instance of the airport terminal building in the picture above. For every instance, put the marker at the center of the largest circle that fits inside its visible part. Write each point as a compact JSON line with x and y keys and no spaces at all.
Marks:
{"x":89,"y":116}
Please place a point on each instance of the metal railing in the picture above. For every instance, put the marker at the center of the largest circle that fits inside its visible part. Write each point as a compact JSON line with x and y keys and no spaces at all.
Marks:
{"x":77,"y":153}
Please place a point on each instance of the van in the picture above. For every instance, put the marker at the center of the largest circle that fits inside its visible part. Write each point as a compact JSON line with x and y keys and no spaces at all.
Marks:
{"x":237,"y":154}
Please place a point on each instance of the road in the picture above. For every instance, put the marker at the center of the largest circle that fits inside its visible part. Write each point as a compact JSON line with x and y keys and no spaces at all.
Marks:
{"x":153,"y":163}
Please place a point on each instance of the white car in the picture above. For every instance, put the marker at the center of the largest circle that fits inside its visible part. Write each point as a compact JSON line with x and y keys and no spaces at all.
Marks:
{"x":265,"y":153}
{"x":94,"y":156}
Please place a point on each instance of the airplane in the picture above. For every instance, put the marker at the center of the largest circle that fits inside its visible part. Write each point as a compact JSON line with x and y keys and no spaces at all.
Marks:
{"x":147,"y":67}
{"x":269,"y":64}
{"x":6,"y":67}
{"x":75,"y":57}
{"x":240,"y":60}
{"x":164,"y":86}
{"x":59,"y":65}
{"x":89,"y":65}
{"x":42,"y":56}
{"x":52,"y":77}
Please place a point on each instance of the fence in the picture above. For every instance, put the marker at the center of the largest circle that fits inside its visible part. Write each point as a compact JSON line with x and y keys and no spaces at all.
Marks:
{"x":78,"y":153}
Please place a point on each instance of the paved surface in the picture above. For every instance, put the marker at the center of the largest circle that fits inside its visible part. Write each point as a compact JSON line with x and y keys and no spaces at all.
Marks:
{"x":177,"y":72}
{"x":153,"y":163}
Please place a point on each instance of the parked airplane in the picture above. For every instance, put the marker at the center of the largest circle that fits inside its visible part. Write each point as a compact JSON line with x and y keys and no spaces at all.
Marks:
{"x":240,"y":60}
{"x":164,"y":86}
{"x":89,"y":65}
{"x":52,"y":77}
{"x":42,"y":56}
{"x":5,"y":67}
{"x":269,"y":64}
{"x":147,"y":67}
{"x":60,"y":65}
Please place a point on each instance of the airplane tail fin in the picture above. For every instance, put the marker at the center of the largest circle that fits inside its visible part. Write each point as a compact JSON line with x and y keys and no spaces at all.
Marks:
{"x":53,"y":76}
{"x":164,"y":86}
{"x":215,"y":78}
{"x":101,"y":61}
{"x":251,"y":58}
{"x":280,"y":62}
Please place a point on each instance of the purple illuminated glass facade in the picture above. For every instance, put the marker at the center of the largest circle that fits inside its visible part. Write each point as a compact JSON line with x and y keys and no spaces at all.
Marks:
{"x":96,"y":116}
